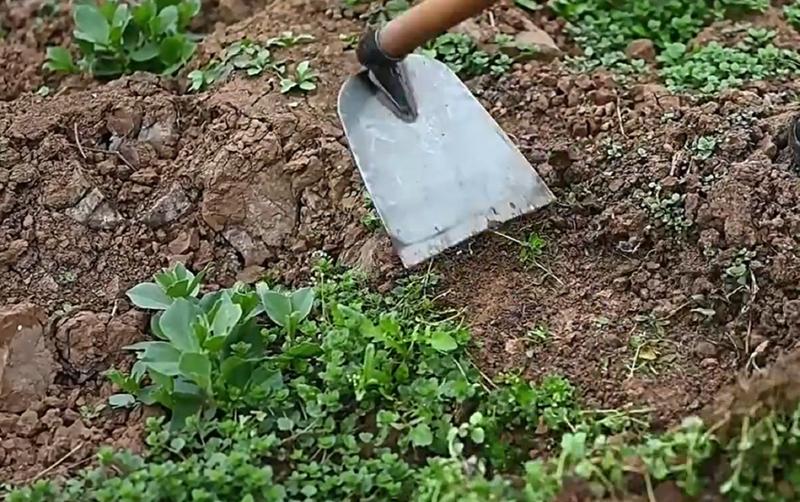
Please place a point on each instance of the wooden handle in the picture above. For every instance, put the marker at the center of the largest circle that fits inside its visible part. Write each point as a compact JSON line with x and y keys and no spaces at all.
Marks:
{"x":425,"y":21}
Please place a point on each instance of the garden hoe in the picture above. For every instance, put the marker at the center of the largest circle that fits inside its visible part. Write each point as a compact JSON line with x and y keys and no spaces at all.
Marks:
{"x":437,"y":166}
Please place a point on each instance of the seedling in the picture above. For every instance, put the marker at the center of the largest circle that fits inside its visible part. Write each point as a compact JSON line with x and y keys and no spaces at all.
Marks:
{"x":90,"y":413}
{"x":304,"y":79}
{"x":613,"y":150}
{"x":524,"y":51}
{"x":704,"y":147}
{"x":116,"y":38}
{"x":792,"y":13}
{"x":539,"y":333}
{"x":370,"y":219}
{"x":740,"y":274}
{"x":350,"y":40}
{"x":245,"y":55}
{"x":462,"y":55}
{"x":289,"y":39}
{"x":532,"y":249}
{"x":668,"y":210}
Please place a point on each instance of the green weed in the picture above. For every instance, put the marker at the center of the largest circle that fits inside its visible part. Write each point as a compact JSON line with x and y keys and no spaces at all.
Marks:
{"x":303,"y":79}
{"x":704,"y":147}
{"x":355,"y":395}
{"x":349,"y":40}
{"x":289,"y":39}
{"x":713,"y":67}
{"x":253,"y":59}
{"x":245,"y":56}
{"x":463,"y":56}
{"x":608,"y":26}
{"x":533,"y":248}
{"x":370,"y":219}
{"x":605,"y":28}
{"x":740,"y":274}
{"x":253,"y":377}
{"x":792,"y":13}
{"x":668,"y":211}
{"x":539,"y":333}
{"x":116,"y":38}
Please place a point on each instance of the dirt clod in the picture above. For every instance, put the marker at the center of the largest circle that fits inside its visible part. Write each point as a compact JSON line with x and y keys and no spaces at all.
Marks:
{"x":27,"y":367}
{"x":641,"y":49}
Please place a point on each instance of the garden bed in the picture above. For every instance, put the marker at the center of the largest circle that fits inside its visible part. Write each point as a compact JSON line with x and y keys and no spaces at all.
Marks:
{"x":666,"y":270}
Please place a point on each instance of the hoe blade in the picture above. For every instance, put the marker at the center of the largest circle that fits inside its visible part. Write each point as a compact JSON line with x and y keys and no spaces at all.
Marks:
{"x":444,"y":177}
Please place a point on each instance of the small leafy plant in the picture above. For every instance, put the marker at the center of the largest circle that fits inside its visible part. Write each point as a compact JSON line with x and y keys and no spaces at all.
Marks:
{"x":244,"y":55}
{"x":206,"y":346}
{"x":463,"y":56}
{"x":740,"y":274}
{"x":792,"y":13}
{"x":704,"y":147}
{"x":370,"y":219}
{"x":668,"y":210}
{"x":304,"y":79}
{"x":116,"y":38}
{"x":247,"y":56}
{"x":533,"y":248}
{"x":289,"y":39}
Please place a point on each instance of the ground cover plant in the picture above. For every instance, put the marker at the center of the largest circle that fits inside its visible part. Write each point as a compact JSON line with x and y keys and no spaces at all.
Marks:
{"x":254,"y":59}
{"x":339,"y":392}
{"x":606,"y":29}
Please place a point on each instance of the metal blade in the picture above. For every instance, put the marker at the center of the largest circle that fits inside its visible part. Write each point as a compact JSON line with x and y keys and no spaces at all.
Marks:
{"x":444,"y":177}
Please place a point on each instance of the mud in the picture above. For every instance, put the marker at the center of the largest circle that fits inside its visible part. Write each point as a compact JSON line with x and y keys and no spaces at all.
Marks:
{"x":103,"y":184}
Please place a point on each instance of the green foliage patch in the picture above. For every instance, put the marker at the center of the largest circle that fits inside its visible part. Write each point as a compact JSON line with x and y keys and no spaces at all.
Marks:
{"x":117,"y":38}
{"x":714,"y":67}
{"x":254,"y":59}
{"x":605,"y":28}
{"x":462,"y":55}
{"x":339,"y":393}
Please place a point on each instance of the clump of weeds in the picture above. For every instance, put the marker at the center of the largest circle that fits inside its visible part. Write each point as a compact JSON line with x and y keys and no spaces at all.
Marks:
{"x":531,"y":249}
{"x":360,"y":395}
{"x":792,"y":13}
{"x":740,"y":274}
{"x":704,"y":147}
{"x":254,"y":59}
{"x":668,"y":209}
{"x":462,"y":55}
{"x":116,"y":38}
{"x":370,"y":219}
{"x":303,"y":79}
{"x":714,"y":67}
{"x":604,"y":28}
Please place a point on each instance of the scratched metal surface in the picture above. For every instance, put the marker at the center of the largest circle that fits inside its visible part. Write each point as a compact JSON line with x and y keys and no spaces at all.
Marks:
{"x":443,"y":178}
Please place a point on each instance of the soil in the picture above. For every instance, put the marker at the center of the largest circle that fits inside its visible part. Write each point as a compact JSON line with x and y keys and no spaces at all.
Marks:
{"x":102,"y":184}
